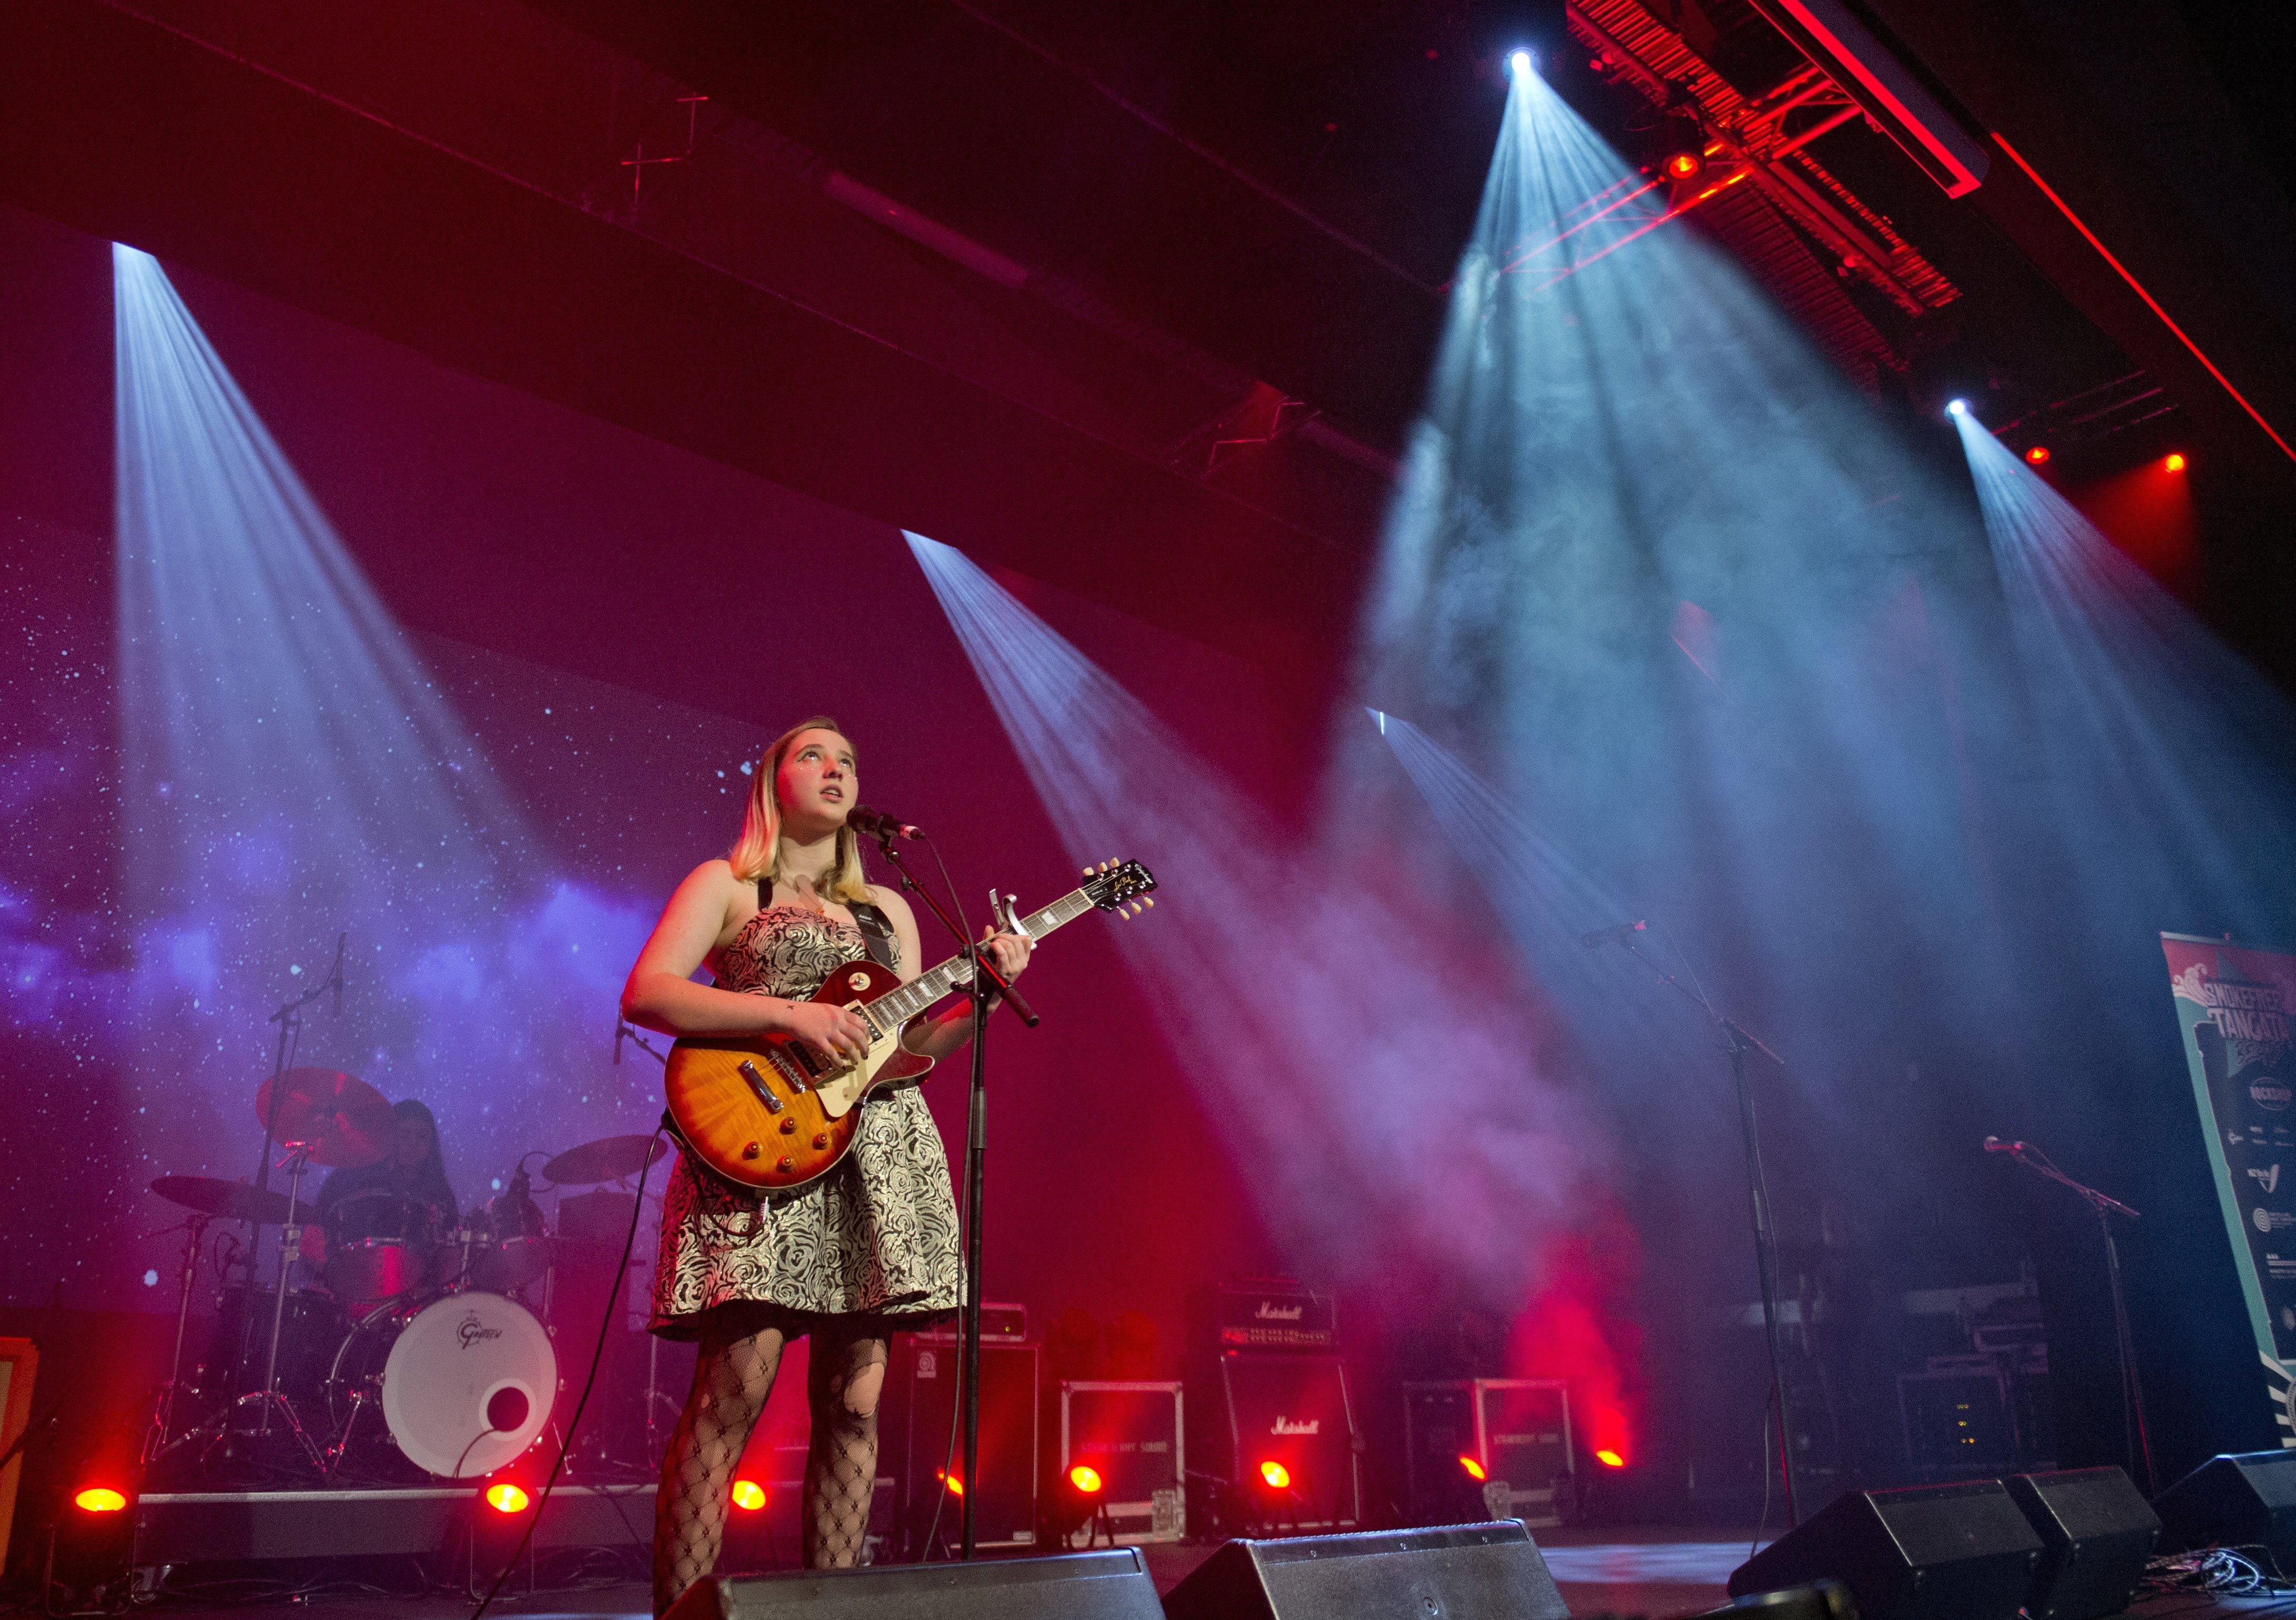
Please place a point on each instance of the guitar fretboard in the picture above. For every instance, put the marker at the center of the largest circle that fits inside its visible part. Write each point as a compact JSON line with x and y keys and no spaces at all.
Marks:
{"x":897,"y":1007}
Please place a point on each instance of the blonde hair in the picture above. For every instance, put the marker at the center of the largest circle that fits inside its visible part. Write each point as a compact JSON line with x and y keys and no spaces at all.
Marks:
{"x":757,"y":852}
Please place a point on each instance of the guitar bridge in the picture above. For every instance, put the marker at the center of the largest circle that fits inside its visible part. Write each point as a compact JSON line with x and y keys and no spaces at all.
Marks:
{"x":757,"y":1085}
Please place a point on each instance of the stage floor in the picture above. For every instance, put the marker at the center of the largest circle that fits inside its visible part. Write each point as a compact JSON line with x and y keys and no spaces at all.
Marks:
{"x":1659,"y":1574}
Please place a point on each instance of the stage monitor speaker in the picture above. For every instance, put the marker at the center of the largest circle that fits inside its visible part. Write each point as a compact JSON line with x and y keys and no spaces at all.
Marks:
{"x":2242,"y":1500}
{"x":1931,"y":1552}
{"x":1467,"y":1572}
{"x":2096,"y":1535}
{"x":1068,"y":1586}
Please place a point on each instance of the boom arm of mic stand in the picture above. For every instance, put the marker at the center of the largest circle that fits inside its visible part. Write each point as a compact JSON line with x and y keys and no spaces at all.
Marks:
{"x":982,"y":966}
{"x":2041,"y":1168}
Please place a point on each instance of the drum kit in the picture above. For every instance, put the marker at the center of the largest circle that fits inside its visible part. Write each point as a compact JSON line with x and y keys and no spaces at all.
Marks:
{"x":422,"y":1343}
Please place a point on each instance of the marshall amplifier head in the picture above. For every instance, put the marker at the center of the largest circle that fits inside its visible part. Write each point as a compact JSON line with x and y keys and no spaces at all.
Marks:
{"x":1262,"y":1314}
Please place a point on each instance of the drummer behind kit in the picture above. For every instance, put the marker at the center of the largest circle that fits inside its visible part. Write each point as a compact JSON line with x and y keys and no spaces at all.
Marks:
{"x":419,"y":1346}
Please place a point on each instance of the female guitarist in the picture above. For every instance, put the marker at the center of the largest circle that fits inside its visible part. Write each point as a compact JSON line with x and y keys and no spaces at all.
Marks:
{"x":866,"y":1250}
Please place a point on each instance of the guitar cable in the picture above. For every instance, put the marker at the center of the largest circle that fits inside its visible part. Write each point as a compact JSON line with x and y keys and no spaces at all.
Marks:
{"x":589,"y":1382}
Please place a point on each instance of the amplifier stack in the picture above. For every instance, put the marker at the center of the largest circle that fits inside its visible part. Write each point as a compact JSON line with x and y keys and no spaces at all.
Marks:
{"x":1272,"y":1446}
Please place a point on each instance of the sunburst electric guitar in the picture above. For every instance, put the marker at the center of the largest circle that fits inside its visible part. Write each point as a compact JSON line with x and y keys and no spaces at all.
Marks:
{"x":769,"y":1111}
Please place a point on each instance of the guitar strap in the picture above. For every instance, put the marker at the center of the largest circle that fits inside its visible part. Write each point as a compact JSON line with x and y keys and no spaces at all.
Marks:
{"x":876,"y":928}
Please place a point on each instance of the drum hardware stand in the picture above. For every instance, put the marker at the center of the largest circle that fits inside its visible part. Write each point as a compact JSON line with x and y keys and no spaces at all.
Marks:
{"x":163,"y":1413}
{"x":1741,"y":1045}
{"x":985,"y":982}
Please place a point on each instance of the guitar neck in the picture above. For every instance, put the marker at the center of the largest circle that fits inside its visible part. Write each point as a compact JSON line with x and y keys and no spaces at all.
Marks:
{"x":898,"y":1006}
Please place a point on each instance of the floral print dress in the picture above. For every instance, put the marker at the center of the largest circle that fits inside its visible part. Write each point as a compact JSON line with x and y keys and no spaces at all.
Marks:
{"x":876,"y":1236}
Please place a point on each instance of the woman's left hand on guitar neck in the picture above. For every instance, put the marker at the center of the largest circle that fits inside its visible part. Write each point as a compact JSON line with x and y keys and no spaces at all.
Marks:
{"x":936,"y":1037}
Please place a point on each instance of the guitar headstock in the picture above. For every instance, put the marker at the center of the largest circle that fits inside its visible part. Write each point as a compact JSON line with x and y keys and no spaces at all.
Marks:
{"x":1118,"y":885}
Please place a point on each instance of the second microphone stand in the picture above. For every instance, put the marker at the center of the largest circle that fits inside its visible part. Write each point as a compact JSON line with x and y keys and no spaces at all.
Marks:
{"x":986,"y":984}
{"x":2135,"y":1440}
{"x":1741,"y":1045}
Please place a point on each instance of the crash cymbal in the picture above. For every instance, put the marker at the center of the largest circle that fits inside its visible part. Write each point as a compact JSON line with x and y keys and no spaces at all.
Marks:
{"x":607,"y":1159}
{"x":233,"y":1201}
{"x":345,"y":1120}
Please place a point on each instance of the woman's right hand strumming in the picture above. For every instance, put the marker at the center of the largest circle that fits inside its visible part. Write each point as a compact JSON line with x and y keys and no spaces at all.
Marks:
{"x":835,"y":1032}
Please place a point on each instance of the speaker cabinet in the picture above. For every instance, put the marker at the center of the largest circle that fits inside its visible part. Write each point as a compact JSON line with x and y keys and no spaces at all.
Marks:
{"x":1071,"y":1586}
{"x":2097,"y":1532}
{"x":2234,"y":1501}
{"x":1005,"y":1500}
{"x":1277,"y":1435}
{"x":1933,"y":1552}
{"x":1473,"y":1571}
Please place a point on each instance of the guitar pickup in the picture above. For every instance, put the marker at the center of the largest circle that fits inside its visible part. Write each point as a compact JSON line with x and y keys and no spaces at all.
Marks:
{"x":757,"y":1085}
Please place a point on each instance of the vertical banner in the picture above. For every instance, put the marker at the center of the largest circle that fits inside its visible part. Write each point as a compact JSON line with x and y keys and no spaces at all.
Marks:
{"x":2233,"y":1004}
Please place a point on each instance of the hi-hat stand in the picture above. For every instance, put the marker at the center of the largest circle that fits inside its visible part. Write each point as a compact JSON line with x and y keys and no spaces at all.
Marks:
{"x":1741,"y":1045}
{"x":986,"y":985}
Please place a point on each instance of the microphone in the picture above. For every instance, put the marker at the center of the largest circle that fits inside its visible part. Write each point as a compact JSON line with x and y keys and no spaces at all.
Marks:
{"x":342,"y":940}
{"x":876,"y":823}
{"x":1994,"y":1144}
{"x":1616,"y":933}
{"x":621,"y":1034}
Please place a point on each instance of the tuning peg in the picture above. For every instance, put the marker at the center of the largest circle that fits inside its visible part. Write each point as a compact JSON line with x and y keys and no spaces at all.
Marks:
{"x":1088,"y":871}
{"x":1150,"y":900}
{"x":1135,"y":908}
{"x":1122,"y":915}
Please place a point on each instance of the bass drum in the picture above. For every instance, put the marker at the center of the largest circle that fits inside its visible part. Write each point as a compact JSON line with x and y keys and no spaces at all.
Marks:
{"x":465,"y":1384}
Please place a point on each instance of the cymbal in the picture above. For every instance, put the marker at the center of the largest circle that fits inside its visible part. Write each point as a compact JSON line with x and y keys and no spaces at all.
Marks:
{"x":233,"y":1201}
{"x":345,"y":1120}
{"x":607,"y":1159}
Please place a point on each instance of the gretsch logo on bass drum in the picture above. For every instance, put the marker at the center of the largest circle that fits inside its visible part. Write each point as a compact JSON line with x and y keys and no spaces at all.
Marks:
{"x":473,"y":1331}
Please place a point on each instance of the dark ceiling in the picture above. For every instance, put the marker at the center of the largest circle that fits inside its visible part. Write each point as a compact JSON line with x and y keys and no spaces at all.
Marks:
{"x":1162,"y":280}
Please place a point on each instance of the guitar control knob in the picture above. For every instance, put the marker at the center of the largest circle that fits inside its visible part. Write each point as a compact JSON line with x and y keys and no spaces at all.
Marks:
{"x":820,"y":1140}
{"x":787,"y":1163}
{"x":788,"y":1127}
{"x":751,"y":1151}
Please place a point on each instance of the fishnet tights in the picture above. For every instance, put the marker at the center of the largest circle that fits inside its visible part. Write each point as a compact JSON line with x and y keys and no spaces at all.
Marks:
{"x":842,"y":1383}
{"x":732,"y":1378}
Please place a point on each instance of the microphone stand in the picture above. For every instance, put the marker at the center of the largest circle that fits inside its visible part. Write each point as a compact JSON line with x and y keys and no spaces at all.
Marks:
{"x":1742,"y":1044}
{"x":2135,"y":1438}
{"x":290,"y":1019}
{"x":986,"y":984}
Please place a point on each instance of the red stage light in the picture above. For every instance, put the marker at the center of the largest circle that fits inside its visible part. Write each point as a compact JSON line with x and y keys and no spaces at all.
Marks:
{"x":956,"y":1485}
{"x":100,"y":1499}
{"x":1610,"y":1459}
{"x":1475,"y":1470}
{"x":1086,"y":1478}
{"x":1683,"y":165}
{"x":504,"y":1497}
{"x":2038,"y":454}
{"x":2175,"y":460}
{"x":749,"y":1496}
{"x":1278,"y":1477}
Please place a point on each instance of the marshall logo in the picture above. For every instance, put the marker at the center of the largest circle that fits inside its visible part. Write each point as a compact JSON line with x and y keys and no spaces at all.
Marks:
{"x":1296,"y":1425}
{"x":471,"y":1331}
{"x":1269,"y":1311}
